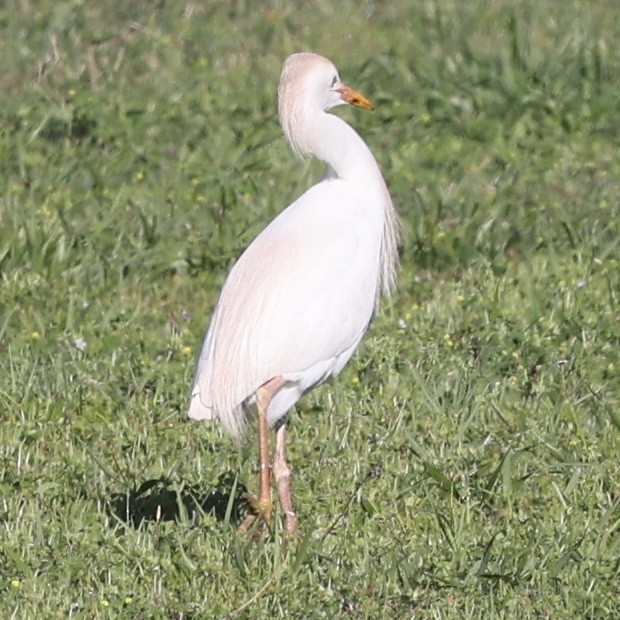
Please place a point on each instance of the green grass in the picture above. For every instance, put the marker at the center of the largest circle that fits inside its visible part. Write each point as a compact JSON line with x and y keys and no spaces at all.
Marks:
{"x":465,"y":465}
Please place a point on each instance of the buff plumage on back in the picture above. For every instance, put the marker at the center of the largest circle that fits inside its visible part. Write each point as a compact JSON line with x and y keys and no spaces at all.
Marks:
{"x":389,"y":249}
{"x":264,"y":296}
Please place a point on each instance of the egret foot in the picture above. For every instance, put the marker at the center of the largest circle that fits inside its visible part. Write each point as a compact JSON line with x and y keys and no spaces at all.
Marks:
{"x":260,"y":513}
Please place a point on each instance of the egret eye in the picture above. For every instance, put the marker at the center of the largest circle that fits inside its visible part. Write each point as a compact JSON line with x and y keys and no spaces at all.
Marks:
{"x":334,"y":81}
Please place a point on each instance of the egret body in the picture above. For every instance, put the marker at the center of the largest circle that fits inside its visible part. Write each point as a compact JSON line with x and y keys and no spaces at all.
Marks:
{"x":298,"y":301}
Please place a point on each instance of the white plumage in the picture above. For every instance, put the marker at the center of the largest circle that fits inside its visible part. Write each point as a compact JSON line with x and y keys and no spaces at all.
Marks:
{"x":299,"y":299}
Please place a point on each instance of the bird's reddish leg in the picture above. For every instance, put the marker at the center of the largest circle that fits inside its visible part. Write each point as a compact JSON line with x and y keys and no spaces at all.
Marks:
{"x":282,"y":474}
{"x":263,"y":505}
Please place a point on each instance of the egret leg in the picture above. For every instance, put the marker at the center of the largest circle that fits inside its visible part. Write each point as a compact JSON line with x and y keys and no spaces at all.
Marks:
{"x":282,"y":474}
{"x":263,"y":506}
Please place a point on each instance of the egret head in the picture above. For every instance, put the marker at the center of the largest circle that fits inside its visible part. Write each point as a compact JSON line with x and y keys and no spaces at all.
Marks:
{"x":309,"y":84}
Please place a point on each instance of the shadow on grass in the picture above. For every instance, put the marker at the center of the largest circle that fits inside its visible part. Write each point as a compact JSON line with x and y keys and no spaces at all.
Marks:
{"x":162,"y":500}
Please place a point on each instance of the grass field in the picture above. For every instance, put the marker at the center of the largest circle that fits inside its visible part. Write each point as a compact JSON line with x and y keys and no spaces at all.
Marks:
{"x":466,"y":463}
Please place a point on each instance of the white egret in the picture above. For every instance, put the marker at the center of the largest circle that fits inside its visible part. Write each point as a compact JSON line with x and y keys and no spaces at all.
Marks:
{"x":298,"y":301}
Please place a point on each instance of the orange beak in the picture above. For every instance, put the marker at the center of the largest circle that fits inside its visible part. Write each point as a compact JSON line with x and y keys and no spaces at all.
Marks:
{"x":354,"y":98}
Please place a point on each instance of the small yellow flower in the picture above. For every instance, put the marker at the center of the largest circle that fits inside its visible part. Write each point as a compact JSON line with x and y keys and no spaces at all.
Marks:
{"x":35,"y":335}
{"x":460,"y":298}
{"x":186,"y":350}
{"x":105,"y":603}
{"x":355,"y":380}
{"x":139,"y":176}
{"x":45,"y":210}
{"x":128,"y":600}
{"x":15,"y":583}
